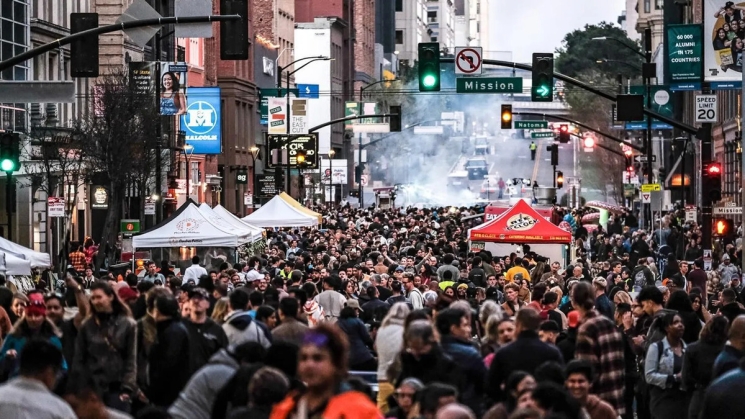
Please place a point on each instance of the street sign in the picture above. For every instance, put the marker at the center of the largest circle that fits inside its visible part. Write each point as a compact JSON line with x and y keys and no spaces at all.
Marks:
{"x":295,"y":143}
{"x":149,"y":207}
{"x":308,"y":91}
{"x":489,"y":85}
{"x":468,"y":61}
{"x":363,"y":180}
{"x":241,"y":177}
{"x":707,"y":259}
{"x":248,"y":199}
{"x":542,"y":134}
{"x":129,"y":226}
{"x":728,"y":210}
{"x":646,"y":197}
{"x":265,"y":94}
{"x":651,"y":187}
{"x":140,"y":10}
{"x":267,"y":186}
{"x":706,"y":108}
{"x":56,"y":207}
{"x":643,"y":159}
{"x":531,"y":124}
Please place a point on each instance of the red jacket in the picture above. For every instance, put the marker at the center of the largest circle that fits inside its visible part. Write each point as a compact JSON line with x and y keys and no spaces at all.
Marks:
{"x":347,"y":405}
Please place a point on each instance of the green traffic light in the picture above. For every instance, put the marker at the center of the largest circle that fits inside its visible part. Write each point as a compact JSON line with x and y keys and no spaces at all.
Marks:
{"x":429,"y":80}
{"x":543,"y":91}
{"x":7,"y":165}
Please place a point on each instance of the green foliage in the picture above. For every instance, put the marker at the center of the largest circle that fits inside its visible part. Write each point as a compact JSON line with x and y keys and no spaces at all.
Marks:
{"x":580,"y":53}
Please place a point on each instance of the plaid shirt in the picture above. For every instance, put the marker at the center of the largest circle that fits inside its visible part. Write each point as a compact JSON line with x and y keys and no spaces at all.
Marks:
{"x":77,"y":260}
{"x":599,"y":342}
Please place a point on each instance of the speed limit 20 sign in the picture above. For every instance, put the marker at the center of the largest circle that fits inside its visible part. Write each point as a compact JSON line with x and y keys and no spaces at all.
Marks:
{"x":706,"y":108}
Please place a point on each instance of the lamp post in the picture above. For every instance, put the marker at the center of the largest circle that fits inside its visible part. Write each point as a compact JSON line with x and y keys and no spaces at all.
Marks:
{"x":187,"y":150}
{"x":331,"y":178}
{"x":279,"y":86}
{"x":607,"y":61}
{"x":363,"y":88}
{"x":254,"y":155}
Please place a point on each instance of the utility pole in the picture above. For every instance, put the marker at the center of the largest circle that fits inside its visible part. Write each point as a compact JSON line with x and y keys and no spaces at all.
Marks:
{"x":8,"y":203}
{"x":158,"y":134}
{"x":648,"y":71}
{"x":706,"y":201}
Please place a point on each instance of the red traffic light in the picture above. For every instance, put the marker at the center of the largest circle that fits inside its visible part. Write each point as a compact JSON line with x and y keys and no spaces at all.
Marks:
{"x":563,"y":128}
{"x":714,"y":169}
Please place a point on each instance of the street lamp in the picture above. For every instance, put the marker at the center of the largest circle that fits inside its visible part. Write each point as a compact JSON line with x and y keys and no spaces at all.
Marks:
{"x":188,"y":150}
{"x":254,"y":154}
{"x":607,"y":61}
{"x":363,"y":88}
{"x":331,"y":176}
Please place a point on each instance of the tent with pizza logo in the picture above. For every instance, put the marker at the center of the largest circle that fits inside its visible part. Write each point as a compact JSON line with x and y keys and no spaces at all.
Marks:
{"x":521,"y":225}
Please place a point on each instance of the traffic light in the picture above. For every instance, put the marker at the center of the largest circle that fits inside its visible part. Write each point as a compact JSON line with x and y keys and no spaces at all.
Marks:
{"x":722,"y":227}
{"x":429,"y":66}
{"x":9,"y":152}
{"x":234,"y":38}
{"x":84,"y":51}
{"x":543,"y":77}
{"x":394,"y":121}
{"x":559,"y":179}
{"x":564,"y":135}
{"x":300,"y":158}
{"x":506,"y":117}
{"x":589,"y":142}
{"x":554,"y":150}
{"x":712,"y":181}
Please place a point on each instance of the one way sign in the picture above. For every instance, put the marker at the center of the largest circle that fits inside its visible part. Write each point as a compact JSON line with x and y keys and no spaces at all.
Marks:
{"x":308,"y":91}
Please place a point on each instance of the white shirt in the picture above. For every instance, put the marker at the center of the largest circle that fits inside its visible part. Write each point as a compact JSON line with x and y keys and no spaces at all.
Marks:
{"x":26,"y":398}
{"x":193,"y":272}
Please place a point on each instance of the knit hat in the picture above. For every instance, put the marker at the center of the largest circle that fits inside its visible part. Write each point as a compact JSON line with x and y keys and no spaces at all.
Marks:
{"x":127,"y":294}
{"x":36,"y":305}
{"x":573,"y":318}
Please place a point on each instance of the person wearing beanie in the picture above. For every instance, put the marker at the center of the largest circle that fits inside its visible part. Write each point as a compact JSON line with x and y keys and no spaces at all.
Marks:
{"x":33,"y":325}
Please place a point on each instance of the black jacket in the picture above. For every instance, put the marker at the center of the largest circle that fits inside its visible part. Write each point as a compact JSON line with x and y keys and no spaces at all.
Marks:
{"x":721,"y":400}
{"x":473,"y":366}
{"x":170,"y":362}
{"x":433,"y":367}
{"x":526,"y":353}
{"x":567,"y":345}
{"x":698,"y":363}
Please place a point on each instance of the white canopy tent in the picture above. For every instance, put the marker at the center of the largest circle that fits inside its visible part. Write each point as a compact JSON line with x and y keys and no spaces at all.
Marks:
{"x":230,"y":224}
{"x":188,"y":226}
{"x":279,"y":213}
{"x":231,"y":218}
{"x":37,"y":259}
{"x":13,"y":265}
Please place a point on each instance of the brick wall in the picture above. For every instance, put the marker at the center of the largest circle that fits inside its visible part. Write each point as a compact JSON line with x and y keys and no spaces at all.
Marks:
{"x":262,"y":16}
{"x":364,"y":44}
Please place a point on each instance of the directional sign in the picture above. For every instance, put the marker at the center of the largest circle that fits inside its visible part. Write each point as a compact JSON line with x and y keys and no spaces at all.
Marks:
{"x":706,"y":108}
{"x":651,"y":187}
{"x":646,"y":197}
{"x":730,"y":209}
{"x":531,"y":124}
{"x":643,"y":159}
{"x":308,"y":91}
{"x":489,"y":85}
{"x":546,"y":134}
{"x":468,"y":61}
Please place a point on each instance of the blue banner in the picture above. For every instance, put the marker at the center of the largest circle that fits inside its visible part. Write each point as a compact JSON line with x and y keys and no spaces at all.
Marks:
{"x":202,"y":121}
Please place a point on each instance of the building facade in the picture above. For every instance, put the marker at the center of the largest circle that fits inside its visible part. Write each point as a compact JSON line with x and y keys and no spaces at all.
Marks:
{"x":365,"y":69}
{"x":411,"y":29}
{"x":441,"y":23}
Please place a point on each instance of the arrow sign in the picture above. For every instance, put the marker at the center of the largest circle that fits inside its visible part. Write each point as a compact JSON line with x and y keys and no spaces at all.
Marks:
{"x":542,"y":91}
{"x":643,"y":159}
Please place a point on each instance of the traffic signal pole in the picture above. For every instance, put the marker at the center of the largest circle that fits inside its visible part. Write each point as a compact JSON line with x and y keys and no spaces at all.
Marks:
{"x":8,"y":204}
{"x":742,"y":170}
{"x":706,"y":199}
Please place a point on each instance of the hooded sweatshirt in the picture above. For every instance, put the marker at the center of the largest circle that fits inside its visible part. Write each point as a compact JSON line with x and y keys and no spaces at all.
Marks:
{"x":196,"y":399}
{"x":240,"y":327}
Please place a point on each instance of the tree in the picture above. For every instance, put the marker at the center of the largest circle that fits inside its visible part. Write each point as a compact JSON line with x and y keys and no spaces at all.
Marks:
{"x":118,"y":137}
{"x":580,"y":53}
{"x":55,"y":165}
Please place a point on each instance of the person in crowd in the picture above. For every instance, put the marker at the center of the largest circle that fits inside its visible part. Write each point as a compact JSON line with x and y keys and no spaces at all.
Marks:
{"x":206,"y":337}
{"x":18,"y":306}
{"x":517,"y":383}
{"x":322,"y":367}
{"x":698,"y":362}
{"x":434,"y":397}
{"x":267,"y":387}
{"x":290,"y":328}
{"x":720,"y":400}
{"x":239,"y":326}
{"x":194,"y":272}
{"x":388,"y":343}
{"x":663,"y":368}
{"x":569,"y":341}
{"x":734,"y":350}
{"x":106,"y":348}
{"x":697,"y":303}
{"x":30,"y":394}
{"x":602,"y":302}
{"x":512,"y":302}
{"x":330,"y":300}
{"x":498,"y":333}
{"x":729,"y":306}
{"x":526,"y":353}
{"x":360,"y":343}
{"x":33,"y":325}
{"x":56,"y":304}
{"x":680,"y":302}
{"x":579,"y":378}
{"x":406,"y":397}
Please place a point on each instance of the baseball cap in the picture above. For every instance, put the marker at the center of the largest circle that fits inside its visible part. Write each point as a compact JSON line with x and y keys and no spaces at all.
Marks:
{"x":351,"y":302}
{"x":399,"y":268}
{"x":573,"y":318}
{"x":199,"y":292}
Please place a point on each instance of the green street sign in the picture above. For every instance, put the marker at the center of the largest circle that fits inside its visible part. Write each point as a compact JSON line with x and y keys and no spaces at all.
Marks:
{"x":489,"y":85}
{"x":531,"y":124}
{"x":129,"y":226}
{"x":542,"y":134}
{"x":265,"y":94}
{"x":684,"y":47}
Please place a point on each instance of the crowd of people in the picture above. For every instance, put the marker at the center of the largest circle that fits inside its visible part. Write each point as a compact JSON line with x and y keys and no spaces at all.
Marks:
{"x":390,"y":314}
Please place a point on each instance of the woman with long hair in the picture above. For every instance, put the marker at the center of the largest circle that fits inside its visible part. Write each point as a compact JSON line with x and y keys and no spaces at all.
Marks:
{"x":32,"y":325}
{"x":172,"y":101}
{"x":662,"y":369}
{"x":106,"y":347}
{"x":220,"y":311}
{"x":698,"y":361}
{"x":517,"y":383}
{"x":698,"y":307}
{"x":360,"y":342}
{"x":349,"y":289}
{"x":322,"y":366}
{"x":680,"y":302}
{"x":389,"y":341}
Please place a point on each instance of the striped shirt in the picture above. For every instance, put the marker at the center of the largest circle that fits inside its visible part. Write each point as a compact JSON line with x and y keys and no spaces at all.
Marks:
{"x":599,"y":342}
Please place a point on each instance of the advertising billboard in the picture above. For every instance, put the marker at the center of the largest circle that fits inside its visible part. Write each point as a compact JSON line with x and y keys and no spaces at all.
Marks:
{"x":337,"y":170}
{"x":684,"y":55}
{"x":723,"y":42}
{"x":202,"y":120}
{"x":173,"y":88}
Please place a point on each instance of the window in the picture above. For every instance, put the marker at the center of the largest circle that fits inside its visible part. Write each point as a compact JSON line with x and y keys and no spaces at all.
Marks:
{"x":433,"y":38}
{"x":432,"y":17}
{"x":647,"y":6}
{"x":399,"y":37}
{"x":659,"y":4}
{"x":399,"y":5}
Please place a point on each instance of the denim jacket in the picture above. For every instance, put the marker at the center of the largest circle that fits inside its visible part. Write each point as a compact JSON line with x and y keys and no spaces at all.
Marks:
{"x":658,"y":370}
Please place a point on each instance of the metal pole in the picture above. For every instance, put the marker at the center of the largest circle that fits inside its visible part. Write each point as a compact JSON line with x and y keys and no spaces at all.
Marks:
{"x":158,"y":133}
{"x":683,"y":172}
{"x":742,"y":169}
{"x":8,"y":205}
{"x":289,"y":183}
{"x":331,"y":183}
{"x":648,"y":143}
{"x":188,"y":169}
{"x":706,"y":202}
{"x":359,"y":164}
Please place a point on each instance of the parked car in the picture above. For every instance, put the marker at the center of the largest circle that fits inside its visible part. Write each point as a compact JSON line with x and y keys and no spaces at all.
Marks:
{"x":477,"y":168}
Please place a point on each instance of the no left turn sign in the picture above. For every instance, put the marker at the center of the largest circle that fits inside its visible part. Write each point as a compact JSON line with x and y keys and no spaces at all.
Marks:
{"x":468,"y":60}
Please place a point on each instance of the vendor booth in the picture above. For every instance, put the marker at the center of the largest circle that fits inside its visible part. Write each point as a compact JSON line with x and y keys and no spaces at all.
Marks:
{"x":36,"y":259}
{"x":234,"y":220}
{"x":518,"y":226}
{"x":254,"y":233}
{"x":280,"y":213}
{"x":298,"y":206}
{"x":187,"y":233}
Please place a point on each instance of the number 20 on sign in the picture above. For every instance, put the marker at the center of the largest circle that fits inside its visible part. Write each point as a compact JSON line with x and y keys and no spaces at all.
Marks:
{"x":706,"y":108}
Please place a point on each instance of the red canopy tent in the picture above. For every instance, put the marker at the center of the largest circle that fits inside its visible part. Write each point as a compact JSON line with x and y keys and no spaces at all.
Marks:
{"x":520,"y":224}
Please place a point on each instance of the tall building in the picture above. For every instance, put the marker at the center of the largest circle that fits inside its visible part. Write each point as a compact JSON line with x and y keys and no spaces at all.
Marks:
{"x":441,"y":23}
{"x":15,"y":16}
{"x":628,"y":20}
{"x":650,"y":16}
{"x":411,"y":29}
{"x":365,"y":70}
{"x":462,"y":24}
{"x":385,"y":38}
